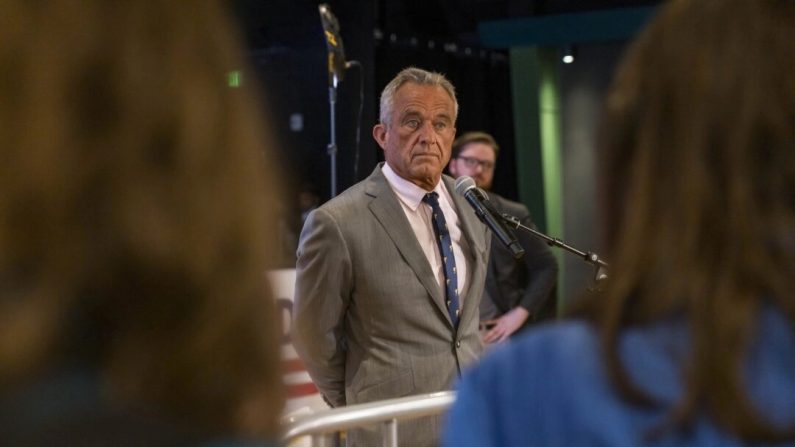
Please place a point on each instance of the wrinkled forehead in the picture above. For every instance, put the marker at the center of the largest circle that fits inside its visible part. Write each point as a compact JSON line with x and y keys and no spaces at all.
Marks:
{"x":434,"y":100}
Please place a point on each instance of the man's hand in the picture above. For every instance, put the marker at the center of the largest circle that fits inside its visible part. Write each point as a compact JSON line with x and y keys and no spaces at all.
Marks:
{"x":505,"y":325}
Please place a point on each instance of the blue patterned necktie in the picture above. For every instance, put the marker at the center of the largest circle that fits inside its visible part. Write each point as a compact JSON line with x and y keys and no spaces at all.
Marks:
{"x":445,"y":245}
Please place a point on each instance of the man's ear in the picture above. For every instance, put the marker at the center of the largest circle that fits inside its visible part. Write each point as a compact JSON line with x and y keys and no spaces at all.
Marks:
{"x":379,"y":135}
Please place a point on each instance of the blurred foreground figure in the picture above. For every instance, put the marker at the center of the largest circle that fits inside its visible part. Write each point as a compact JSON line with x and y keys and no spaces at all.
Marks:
{"x":133,"y":230}
{"x":693,"y":342}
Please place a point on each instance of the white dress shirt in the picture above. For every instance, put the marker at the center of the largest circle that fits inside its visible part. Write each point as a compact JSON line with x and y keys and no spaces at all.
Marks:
{"x":419,"y":215}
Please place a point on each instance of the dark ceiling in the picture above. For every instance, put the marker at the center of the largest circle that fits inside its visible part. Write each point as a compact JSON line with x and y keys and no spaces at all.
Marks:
{"x":458,"y":19}
{"x":269,"y":20}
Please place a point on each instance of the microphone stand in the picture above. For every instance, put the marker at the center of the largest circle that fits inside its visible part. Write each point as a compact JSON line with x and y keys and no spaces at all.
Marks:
{"x":331,"y":149}
{"x":336,"y":71}
{"x":600,"y":267}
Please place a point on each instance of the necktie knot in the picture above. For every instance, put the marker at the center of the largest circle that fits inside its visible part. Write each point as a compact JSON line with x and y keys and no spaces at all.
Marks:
{"x":432,"y":199}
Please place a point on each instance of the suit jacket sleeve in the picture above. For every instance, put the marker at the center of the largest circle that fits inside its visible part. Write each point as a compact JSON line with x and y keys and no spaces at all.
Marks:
{"x":540,"y":266}
{"x":322,"y":294}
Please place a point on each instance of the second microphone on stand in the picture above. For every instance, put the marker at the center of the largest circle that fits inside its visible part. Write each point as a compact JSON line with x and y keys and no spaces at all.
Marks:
{"x":479,"y":200}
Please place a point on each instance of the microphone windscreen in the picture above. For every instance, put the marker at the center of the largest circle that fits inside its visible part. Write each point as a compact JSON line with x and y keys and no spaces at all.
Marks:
{"x":464,"y":184}
{"x":336,"y":52}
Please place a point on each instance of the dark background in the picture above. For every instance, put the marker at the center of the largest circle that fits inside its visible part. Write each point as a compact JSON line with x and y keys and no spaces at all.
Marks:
{"x":286,"y":43}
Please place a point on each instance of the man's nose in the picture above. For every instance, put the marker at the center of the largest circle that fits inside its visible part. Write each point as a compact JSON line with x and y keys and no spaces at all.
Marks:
{"x":427,"y":133}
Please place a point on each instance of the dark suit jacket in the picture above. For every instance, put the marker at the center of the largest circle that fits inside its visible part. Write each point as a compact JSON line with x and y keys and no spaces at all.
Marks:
{"x":370,"y":321}
{"x":528,"y":282}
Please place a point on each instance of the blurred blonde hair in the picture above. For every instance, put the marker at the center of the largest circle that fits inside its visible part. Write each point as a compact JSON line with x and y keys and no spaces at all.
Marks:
{"x":134,"y":231}
{"x":699,"y":189}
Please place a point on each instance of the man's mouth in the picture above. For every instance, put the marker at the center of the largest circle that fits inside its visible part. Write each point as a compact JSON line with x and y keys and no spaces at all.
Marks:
{"x":426,"y":154}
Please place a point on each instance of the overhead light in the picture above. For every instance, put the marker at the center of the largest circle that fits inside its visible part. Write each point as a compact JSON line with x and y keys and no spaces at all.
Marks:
{"x":568,"y":53}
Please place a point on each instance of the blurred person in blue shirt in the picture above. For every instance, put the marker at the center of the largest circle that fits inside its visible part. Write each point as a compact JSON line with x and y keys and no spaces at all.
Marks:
{"x":693,"y":340}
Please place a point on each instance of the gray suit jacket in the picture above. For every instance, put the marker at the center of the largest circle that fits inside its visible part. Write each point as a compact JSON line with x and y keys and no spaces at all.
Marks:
{"x":370,"y":321}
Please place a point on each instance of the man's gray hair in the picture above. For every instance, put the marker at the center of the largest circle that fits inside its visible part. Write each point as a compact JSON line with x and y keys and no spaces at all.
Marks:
{"x":417,"y":76}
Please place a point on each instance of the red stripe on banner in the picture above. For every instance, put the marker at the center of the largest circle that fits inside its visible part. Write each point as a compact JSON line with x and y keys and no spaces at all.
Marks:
{"x":301,"y":390}
{"x":293,"y":366}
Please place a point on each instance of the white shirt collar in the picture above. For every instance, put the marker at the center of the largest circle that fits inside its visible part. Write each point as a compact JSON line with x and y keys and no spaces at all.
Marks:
{"x":408,"y":193}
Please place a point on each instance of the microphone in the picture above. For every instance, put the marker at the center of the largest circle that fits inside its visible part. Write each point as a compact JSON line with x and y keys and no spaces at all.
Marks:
{"x":335,"y":50}
{"x":485,"y":211}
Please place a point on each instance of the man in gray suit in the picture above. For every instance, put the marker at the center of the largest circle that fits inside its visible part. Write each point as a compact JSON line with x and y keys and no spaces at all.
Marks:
{"x":517,"y":292}
{"x":383,"y":308}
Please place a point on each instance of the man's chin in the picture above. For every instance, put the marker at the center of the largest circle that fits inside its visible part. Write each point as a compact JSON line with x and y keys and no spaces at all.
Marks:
{"x":426,"y":176}
{"x":481,"y":184}
{"x":426,"y":169}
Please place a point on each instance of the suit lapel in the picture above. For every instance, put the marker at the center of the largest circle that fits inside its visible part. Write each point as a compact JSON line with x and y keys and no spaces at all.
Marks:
{"x":387,"y":210}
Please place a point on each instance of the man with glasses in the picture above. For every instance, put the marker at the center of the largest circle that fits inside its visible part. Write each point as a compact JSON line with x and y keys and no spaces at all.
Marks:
{"x":516,"y":291}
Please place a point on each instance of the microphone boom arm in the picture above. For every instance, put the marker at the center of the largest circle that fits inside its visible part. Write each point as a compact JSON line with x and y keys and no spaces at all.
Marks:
{"x":488,"y":216}
{"x":590,"y":257}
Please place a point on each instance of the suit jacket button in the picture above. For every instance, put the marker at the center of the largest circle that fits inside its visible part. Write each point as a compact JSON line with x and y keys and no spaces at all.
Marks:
{"x":458,"y":343}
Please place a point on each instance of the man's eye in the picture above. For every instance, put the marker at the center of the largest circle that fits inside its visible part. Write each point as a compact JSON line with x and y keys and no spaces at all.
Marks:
{"x":413,"y":124}
{"x":440,"y":125}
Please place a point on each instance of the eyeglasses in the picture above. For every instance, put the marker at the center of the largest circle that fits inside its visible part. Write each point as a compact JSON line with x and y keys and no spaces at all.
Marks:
{"x":471,"y":163}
